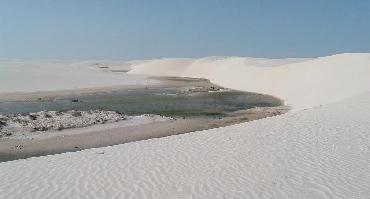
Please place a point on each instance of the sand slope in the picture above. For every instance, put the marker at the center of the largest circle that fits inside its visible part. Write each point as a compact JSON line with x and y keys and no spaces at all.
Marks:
{"x":318,"y":153}
{"x":302,"y":83}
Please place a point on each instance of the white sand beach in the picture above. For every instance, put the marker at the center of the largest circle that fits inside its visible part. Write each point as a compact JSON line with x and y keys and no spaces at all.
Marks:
{"x":319,"y":150}
{"x":31,"y":76}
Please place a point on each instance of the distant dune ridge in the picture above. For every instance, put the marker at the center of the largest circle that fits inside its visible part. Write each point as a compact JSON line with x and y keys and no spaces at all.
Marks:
{"x":321,"y":152}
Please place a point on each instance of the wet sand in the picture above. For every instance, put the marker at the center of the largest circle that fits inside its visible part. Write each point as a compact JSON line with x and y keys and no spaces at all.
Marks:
{"x":12,"y":149}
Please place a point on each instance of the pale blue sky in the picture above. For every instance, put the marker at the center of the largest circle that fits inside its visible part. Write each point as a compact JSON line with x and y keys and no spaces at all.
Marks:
{"x":136,"y":29}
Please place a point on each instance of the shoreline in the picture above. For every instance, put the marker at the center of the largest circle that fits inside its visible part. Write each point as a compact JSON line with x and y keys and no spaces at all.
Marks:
{"x":102,"y":135}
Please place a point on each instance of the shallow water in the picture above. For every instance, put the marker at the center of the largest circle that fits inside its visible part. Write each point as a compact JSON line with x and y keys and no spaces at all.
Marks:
{"x":164,"y":101}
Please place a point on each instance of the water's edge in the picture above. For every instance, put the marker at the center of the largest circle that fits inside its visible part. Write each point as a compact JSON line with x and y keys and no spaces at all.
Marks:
{"x":195,"y":104}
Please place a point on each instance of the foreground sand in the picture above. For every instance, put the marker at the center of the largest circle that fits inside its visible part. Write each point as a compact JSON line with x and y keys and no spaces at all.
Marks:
{"x":318,"y":153}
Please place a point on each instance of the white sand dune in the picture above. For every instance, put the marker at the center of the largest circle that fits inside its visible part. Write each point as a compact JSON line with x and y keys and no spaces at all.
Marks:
{"x":302,"y":83}
{"x":321,"y":152}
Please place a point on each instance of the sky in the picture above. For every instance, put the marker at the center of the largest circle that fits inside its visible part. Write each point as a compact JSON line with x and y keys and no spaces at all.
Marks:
{"x":138,"y":29}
